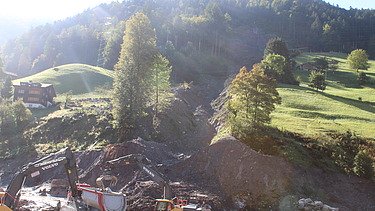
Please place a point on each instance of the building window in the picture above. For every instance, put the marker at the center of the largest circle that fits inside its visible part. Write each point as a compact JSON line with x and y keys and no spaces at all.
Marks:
{"x":21,"y":91}
{"x":33,"y":99}
{"x":34,"y":92}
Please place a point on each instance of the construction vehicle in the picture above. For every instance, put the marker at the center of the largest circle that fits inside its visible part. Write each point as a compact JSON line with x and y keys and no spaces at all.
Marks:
{"x":169,"y":202}
{"x":81,"y":196}
{"x":10,"y":197}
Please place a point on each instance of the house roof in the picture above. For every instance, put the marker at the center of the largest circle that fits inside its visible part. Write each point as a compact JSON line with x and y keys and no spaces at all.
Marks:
{"x":32,"y":84}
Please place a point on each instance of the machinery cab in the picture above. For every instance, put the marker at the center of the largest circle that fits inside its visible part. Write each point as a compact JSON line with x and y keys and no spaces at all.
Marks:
{"x":166,"y":205}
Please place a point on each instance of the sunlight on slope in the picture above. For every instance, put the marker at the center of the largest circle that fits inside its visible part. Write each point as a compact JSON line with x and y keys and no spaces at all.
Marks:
{"x":338,"y":108}
{"x":80,"y":79}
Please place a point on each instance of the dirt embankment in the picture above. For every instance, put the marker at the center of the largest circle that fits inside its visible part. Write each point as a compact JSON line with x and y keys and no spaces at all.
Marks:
{"x":240,"y":173}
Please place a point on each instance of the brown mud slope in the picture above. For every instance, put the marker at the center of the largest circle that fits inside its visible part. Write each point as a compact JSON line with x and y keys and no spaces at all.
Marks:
{"x":255,"y":180}
{"x":185,"y":125}
{"x":239,"y":172}
{"x":338,"y":190}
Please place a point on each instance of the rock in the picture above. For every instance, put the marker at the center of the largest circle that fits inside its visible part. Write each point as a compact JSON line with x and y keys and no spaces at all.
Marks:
{"x":308,"y":204}
{"x":318,"y":204}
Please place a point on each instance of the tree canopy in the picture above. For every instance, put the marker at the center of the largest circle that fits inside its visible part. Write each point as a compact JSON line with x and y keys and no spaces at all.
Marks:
{"x":358,"y":59}
{"x":207,"y":26}
{"x":134,"y":74}
{"x":317,"y":80}
{"x":252,"y":98}
{"x":275,"y":65}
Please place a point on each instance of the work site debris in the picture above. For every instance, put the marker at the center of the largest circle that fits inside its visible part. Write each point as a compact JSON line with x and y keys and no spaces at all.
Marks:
{"x":310,"y":205}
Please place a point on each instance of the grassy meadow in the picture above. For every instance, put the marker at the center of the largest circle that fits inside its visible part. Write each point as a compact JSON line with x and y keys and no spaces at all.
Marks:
{"x":79,"y":79}
{"x":343,"y":106}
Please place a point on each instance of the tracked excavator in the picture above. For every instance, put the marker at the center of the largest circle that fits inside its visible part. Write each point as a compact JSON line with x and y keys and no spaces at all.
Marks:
{"x":81,"y":197}
{"x":9,"y":198}
{"x":169,"y":202}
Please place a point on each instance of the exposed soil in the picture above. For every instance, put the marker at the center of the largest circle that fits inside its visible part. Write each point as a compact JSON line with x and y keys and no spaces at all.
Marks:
{"x":239,"y":173}
{"x":227,"y":174}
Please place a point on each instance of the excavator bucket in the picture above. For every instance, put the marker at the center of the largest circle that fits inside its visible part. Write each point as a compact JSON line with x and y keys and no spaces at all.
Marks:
{"x":2,"y":206}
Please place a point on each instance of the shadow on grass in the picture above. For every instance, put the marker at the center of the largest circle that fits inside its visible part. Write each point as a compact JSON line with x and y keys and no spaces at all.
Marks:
{"x":312,"y":114}
{"x":39,"y":113}
{"x":347,"y":79}
{"x":365,"y":106}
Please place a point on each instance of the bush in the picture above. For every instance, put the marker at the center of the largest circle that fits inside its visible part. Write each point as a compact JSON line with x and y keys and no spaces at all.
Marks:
{"x":317,"y":80}
{"x":358,"y":59}
{"x":363,"y":165}
{"x":14,"y":116}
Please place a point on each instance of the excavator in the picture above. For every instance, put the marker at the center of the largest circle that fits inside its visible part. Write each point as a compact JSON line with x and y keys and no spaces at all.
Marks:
{"x":81,"y":197}
{"x":169,"y":202}
{"x":9,"y":198}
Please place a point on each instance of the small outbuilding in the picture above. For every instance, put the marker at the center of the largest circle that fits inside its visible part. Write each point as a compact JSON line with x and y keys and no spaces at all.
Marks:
{"x":34,"y":95}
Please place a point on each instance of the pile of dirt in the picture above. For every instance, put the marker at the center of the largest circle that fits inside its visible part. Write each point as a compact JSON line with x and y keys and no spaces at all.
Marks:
{"x":238,"y":172}
{"x":248,"y":179}
{"x":157,"y":153}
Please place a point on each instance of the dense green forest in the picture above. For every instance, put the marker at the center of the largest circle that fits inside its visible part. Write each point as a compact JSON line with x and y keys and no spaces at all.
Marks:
{"x":194,"y":34}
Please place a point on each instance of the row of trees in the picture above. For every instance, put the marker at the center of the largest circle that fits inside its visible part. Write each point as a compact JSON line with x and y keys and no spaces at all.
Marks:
{"x":206,"y":26}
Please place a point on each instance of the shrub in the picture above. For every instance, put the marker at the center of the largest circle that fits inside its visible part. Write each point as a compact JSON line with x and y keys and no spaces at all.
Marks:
{"x":363,"y":165}
{"x":358,"y":59}
{"x":317,"y":80}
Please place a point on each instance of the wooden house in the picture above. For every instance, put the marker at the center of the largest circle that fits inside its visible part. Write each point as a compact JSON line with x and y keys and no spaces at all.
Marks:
{"x":34,"y":95}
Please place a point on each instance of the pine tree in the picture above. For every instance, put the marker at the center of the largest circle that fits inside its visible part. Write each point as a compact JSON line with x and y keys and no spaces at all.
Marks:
{"x":161,"y":84}
{"x":277,"y":46}
{"x":132,"y":87}
{"x":252,"y":98}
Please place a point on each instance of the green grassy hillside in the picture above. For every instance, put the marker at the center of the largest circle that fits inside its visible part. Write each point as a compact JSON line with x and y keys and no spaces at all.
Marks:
{"x":338,"y":108}
{"x":80,"y":79}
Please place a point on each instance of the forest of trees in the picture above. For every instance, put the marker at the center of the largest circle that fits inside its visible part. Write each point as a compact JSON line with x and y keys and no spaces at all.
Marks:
{"x":190,"y":29}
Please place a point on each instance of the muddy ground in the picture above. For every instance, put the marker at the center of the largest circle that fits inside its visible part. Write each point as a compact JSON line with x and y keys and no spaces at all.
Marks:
{"x":228,"y":175}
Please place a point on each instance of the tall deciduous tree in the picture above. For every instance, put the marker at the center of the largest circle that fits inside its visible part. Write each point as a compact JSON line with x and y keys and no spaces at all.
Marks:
{"x":274,"y":65}
{"x":279,"y":47}
{"x":132,"y":87}
{"x":161,"y":84}
{"x":252,"y":98}
{"x":358,"y":59}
